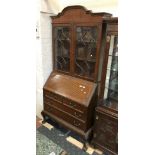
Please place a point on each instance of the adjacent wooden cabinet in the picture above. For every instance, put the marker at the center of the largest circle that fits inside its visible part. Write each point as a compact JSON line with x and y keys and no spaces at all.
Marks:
{"x":71,"y":91}
{"x":105,"y":136}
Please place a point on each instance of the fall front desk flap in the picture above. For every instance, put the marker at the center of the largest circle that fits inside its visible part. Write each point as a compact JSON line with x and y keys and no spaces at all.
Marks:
{"x":76,"y":89}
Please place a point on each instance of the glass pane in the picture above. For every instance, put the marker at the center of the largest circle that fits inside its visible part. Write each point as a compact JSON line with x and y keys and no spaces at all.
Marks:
{"x":62,"y":48}
{"x":85,"y":54}
{"x":111,"y":83}
{"x":114,"y":64}
{"x":115,"y":50}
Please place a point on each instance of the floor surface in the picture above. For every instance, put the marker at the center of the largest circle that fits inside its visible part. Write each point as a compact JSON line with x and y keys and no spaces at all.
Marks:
{"x":51,"y":139}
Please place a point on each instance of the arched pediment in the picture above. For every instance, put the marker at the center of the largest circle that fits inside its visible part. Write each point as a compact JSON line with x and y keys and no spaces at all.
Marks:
{"x":78,"y":14}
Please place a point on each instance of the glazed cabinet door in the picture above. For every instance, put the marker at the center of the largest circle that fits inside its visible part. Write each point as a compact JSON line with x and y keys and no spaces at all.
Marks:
{"x":86,"y":38}
{"x":62,"y":47}
{"x":111,"y":83}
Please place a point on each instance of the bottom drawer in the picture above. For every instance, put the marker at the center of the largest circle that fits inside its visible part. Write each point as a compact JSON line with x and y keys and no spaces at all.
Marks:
{"x":65,"y":116}
{"x":106,"y":140}
{"x":105,"y":131}
{"x":104,"y":149}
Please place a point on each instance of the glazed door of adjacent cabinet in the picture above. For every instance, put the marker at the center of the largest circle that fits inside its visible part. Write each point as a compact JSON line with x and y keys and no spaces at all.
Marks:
{"x":62,"y":47}
{"x":86,"y":50}
{"x":110,"y":89}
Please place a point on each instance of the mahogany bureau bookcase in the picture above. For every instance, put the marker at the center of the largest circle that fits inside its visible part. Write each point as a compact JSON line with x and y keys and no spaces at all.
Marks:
{"x":70,"y":93}
{"x":105,"y":135}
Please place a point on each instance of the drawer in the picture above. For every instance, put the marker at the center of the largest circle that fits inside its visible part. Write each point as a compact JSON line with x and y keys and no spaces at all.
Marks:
{"x":66,"y":117}
{"x":105,"y":139}
{"x":68,"y":103}
{"x":105,"y":122}
{"x":105,"y":131}
{"x":51,"y":95}
{"x":74,"y":105}
{"x":67,"y":109}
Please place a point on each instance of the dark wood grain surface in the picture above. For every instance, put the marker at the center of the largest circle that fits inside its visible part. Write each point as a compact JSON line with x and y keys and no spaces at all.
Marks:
{"x":76,"y":89}
{"x":106,"y":130}
{"x":78,"y":14}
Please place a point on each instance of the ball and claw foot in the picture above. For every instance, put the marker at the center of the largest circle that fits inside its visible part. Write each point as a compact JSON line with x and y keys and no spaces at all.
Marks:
{"x":86,"y":145}
{"x":44,"y":121}
{"x":45,"y":118}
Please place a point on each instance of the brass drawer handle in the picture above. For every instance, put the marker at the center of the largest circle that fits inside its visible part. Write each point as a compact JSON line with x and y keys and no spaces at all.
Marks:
{"x":76,"y":124}
{"x":48,"y":102}
{"x":72,"y":104}
{"x":77,"y":115}
{"x":97,"y":117}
